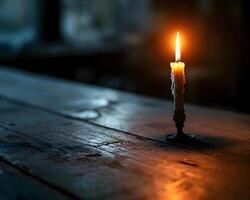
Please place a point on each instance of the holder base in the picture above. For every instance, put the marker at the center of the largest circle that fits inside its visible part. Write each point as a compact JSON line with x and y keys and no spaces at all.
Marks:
{"x":177,"y":138}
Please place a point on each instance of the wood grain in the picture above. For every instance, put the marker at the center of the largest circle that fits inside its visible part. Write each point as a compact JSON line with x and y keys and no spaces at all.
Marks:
{"x":83,"y":158}
{"x":93,"y":142}
{"x":17,"y":185}
{"x":147,"y":117}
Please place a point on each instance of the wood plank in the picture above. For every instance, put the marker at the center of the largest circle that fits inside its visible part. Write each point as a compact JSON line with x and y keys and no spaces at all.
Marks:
{"x":93,"y":162}
{"x":79,"y":168}
{"x":16,"y":185}
{"x":147,"y":117}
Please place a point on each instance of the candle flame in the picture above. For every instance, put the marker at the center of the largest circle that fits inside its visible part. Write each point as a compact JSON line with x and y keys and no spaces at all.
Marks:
{"x":178,"y":47}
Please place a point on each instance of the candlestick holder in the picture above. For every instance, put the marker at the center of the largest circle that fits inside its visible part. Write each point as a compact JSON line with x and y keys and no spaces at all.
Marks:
{"x":179,"y":119}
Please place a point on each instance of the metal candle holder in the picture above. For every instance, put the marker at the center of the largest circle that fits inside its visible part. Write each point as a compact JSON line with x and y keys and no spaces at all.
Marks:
{"x":179,"y":119}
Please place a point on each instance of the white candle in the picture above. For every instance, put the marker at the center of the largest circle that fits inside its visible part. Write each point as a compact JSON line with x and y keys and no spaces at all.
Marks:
{"x":178,"y":77}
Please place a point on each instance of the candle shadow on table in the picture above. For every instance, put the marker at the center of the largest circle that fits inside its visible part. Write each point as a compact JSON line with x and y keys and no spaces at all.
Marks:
{"x":200,"y":142}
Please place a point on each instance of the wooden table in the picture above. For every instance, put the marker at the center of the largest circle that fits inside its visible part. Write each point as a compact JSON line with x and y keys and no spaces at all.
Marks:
{"x":65,"y":140}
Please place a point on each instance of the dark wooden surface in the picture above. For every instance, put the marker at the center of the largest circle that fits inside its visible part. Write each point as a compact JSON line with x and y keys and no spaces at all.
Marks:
{"x":63,"y":140}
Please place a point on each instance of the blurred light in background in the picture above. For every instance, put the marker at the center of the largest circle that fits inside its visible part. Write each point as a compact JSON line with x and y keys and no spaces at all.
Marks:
{"x":94,"y":23}
{"x":18,"y":22}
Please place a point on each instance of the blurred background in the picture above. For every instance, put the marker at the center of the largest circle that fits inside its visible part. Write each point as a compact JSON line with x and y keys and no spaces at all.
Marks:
{"x":128,"y":45}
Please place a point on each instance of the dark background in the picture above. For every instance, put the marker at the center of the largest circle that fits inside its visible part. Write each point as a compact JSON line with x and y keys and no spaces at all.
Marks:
{"x":127,"y":45}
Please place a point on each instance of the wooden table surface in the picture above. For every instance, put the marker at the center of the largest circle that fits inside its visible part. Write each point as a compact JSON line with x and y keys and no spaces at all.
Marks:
{"x":66,"y":140}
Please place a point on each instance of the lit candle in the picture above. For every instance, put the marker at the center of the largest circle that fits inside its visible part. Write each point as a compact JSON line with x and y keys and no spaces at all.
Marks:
{"x":178,"y":77}
{"x":178,"y":82}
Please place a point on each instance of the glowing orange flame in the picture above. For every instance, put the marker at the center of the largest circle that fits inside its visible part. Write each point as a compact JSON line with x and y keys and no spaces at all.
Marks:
{"x":177,"y":47}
